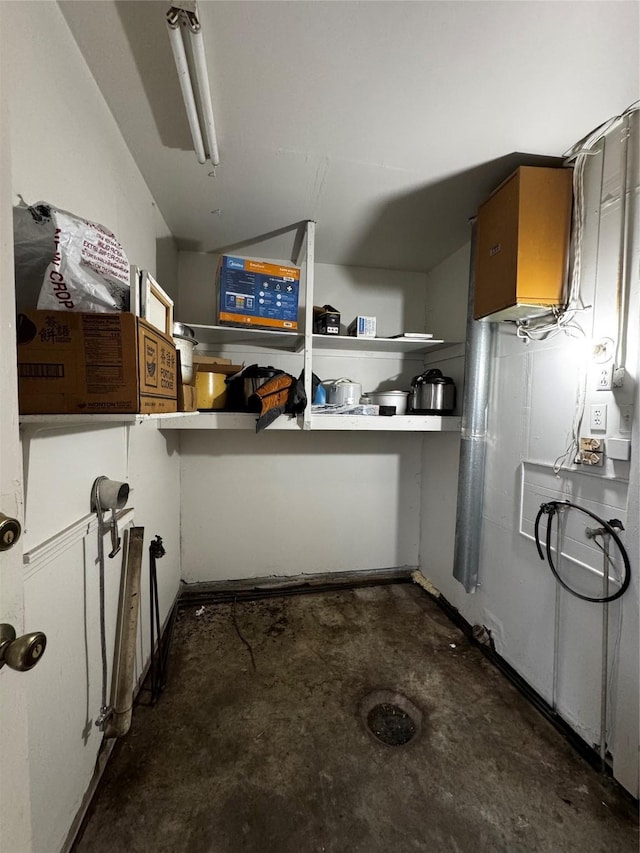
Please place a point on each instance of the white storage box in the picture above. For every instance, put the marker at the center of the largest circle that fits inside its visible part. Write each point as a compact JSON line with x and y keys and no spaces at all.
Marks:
{"x":362,"y":327}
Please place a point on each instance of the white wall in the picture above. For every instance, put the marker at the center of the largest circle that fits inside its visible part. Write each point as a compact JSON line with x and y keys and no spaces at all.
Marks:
{"x":295,"y":503}
{"x":533,"y":399}
{"x":66,"y":149}
{"x":396,"y":299}
{"x":446,"y":296}
{"x":290,"y":503}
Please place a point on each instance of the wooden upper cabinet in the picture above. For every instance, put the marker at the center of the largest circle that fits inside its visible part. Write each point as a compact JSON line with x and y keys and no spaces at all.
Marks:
{"x":522,"y":245}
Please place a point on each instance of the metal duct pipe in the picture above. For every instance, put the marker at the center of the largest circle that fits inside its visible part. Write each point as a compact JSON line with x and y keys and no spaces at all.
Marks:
{"x":119,"y":719}
{"x":473,"y":443}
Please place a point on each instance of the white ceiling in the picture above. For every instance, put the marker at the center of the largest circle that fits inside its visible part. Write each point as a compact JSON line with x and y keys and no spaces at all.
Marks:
{"x":387,"y":122}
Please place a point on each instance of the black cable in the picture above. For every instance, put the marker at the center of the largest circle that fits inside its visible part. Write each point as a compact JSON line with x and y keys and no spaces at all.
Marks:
{"x":239,"y":633}
{"x":550,"y":509}
{"x":158,"y":655}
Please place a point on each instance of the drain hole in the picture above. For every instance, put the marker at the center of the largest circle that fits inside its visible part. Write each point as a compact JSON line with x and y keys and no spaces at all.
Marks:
{"x":390,"y":718}
{"x":391,"y":724}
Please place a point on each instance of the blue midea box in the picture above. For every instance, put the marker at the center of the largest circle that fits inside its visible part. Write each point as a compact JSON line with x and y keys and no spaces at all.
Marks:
{"x":256,"y":293}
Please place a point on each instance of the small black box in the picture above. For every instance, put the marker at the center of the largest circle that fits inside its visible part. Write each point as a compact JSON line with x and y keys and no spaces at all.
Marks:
{"x":327,"y":323}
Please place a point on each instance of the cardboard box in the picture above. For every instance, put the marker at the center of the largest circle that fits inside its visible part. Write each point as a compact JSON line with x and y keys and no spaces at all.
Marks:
{"x":362,"y":327}
{"x":257,"y":293}
{"x":524,"y":233}
{"x":209,"y":359}
{"x":211,"y":373}
{"x":73,"y":363}
{"x":187,"y":399}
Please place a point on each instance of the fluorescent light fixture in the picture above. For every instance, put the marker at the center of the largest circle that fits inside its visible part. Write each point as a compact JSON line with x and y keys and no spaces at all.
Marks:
{"x":177,"y":15}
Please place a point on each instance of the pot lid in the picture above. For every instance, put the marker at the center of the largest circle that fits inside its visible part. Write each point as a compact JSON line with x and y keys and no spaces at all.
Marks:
{"x":432,"y":377}
{"x":180,"y":330}
{"x":256,"y":371}
{"x":384,"y":393}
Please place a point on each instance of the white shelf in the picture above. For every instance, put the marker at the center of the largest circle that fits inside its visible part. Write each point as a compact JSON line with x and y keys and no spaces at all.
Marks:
{"x":391,"y":345}
{"x":225,"y":420}
{"x":395,"y":423}
{"x":97,"y":419}
{"x":309,"y":345}
{"x":241,"y":420}
{"x":226,"y":335}
{"x":294,"y":341}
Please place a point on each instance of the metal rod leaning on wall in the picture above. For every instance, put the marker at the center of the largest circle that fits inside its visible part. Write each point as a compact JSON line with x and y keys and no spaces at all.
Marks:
{"x":557,"y":614}
{"x":111,"y":495}
{"x":604,"y":675}
{"x":159,"y":653}
{"x":473,"y":439}
{"x":126,"y":629}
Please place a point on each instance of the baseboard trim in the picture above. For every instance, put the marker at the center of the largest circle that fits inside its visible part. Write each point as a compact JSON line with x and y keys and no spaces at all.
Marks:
{"x":252,"y":589}
{"x":581,"y":746}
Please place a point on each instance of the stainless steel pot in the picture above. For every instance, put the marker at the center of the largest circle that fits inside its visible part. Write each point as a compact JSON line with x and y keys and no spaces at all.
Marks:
{"x":433,"y":393}
{"x":397,"y":399}
{"x":254,"y":377}
{"x":185,"y":347}
{"x":344,"y":392}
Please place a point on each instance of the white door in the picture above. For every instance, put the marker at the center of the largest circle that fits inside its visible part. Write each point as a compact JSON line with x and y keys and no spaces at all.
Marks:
{"x":15,"y":799}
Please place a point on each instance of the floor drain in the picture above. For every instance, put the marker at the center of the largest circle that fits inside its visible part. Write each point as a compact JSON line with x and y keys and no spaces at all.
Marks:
{"x":390,"y":717}
{"x":391,"y":724}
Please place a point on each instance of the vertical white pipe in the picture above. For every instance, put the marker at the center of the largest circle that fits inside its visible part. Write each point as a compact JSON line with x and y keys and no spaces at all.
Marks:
{"x":623,"y":258}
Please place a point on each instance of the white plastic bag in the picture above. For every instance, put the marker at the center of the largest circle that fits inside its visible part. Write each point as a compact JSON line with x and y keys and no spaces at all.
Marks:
{"x":72,"y":264}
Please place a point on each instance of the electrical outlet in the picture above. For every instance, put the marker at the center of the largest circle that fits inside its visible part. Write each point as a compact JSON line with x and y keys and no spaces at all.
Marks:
{"x":604,"y":377}
{"x":598,"y":420}
{"x":589,"y":457}
{"x":593,"y":444}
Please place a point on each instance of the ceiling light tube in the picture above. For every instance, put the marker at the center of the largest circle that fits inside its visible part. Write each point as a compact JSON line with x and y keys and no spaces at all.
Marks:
{"x":180,"y":57}
{"x":202,"y":76}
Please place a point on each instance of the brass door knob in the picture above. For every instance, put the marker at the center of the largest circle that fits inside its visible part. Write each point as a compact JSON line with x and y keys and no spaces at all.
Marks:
{"x":20,"y":653}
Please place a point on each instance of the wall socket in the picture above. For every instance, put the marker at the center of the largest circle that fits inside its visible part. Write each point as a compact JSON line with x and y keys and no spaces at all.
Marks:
{"x":591,"y":451}
{"x":604,"y":377}
{"x":594,"y":444}
{"x":598,"y":420}
{"x":589,"y":457}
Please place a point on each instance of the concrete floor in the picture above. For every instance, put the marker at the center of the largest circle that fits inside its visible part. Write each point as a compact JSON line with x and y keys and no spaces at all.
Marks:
{"x":277,"y":760}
